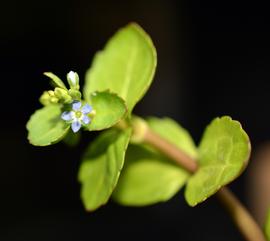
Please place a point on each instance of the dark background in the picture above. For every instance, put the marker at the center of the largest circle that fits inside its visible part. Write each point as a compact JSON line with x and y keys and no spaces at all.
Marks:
{"x":213,"y":59}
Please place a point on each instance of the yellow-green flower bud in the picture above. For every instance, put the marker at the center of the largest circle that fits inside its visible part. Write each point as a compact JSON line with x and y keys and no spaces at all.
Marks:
{"x":45,"y":98}
{"x":51,"y":93}
{"x":62,"y":95}
{"x":59,"y":93}
{"x":54,"y":100}
{"x":75,"y":94}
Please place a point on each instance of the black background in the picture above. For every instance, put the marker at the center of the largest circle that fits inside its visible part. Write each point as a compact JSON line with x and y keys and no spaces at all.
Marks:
{"x":213,"y":59}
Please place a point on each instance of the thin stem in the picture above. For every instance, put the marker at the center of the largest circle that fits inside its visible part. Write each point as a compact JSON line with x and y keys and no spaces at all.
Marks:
{"x":240,"y":215}
{"x":170,"y":150}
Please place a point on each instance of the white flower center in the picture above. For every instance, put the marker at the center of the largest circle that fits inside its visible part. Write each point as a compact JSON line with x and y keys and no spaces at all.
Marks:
{"x":78,"y":114}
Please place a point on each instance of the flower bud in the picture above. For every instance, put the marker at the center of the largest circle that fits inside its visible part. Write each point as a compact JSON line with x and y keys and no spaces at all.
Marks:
{"x":62,"y":95}
{"x":45,"y":98}
{"x":51,"y":93}
{"x":73,"y":80}
{"x":54,"y":100}
{"x":59,"y":93}
{"x":75,"y":94}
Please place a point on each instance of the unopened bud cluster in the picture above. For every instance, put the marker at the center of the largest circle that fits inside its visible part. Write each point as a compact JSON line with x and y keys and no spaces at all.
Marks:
{"x":61,"y":94}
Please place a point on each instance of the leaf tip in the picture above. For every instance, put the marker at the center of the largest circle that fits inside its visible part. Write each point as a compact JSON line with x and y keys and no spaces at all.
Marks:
{"x":48,"y":74}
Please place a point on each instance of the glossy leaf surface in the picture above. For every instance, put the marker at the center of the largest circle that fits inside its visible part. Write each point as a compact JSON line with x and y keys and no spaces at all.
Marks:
{"x":126,"y":66}
{"x":223,"y":154}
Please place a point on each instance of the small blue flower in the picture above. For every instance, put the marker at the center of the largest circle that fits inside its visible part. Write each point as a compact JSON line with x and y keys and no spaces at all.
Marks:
{"x":78,"y":116}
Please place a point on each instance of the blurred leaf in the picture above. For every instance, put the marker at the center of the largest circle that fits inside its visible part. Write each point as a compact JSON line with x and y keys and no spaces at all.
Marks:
{"x":267,"y":226}
{"x":147,"y":178}
{"x":174,"y":133}
{"x":109,"y":109}
{"x":126,"y":66}
{"x":46,"y":127}
{"x":101,"y":167}
{"x":72,"y":139}
{"x":56,"y":80}
{"x":223,"y":154}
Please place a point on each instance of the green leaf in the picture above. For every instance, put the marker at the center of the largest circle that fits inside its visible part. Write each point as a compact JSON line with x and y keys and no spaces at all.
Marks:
{"x":72,"y":139}
{"x":148,"y":178}
{"x":101,"y":167}
{"x":109,"y":109}
{"x":126,"y":66}
{"x":267,"y":226}
{"x":223,"y":154}
{"x":174,"y":133}
{"x":56,"y":80}
{"x":45,"y":126}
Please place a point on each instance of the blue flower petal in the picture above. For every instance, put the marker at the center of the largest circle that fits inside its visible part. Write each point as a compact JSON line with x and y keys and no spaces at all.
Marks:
{"x":75,"y":126}
{"x":86,"y":120}
{"x":87,"y":109}
{"x":76,"y":105}
{"x":66,"y":116}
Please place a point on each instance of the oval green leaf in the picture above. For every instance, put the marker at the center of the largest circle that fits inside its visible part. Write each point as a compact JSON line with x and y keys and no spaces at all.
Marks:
{"x":148,"y":178}
{"x":126,"y":66}
{"x":101,"y":167}
{"x":45,"y":126}
{"x":109,"y":109}
{"x":223,"y":154}
{"x":56,"y":80}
